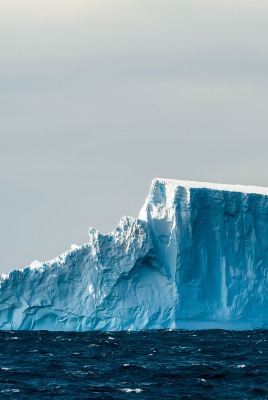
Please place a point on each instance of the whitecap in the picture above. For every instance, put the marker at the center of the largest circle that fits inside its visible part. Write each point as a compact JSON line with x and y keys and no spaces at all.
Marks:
{"x":128,"y":390}
{"x":10,"y":390}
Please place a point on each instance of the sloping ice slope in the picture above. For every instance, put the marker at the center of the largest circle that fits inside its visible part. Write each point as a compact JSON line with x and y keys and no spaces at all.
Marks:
{"x":197,"y":257}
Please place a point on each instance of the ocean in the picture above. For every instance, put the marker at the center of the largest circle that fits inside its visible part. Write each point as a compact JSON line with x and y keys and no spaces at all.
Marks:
{"x":204,"y":364}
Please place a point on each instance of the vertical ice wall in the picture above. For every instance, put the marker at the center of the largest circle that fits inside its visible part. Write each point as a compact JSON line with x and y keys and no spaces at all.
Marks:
{"x":213,"y":241}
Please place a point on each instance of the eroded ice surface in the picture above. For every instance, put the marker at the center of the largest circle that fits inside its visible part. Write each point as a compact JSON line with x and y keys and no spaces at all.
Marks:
{"x":197,"y":257}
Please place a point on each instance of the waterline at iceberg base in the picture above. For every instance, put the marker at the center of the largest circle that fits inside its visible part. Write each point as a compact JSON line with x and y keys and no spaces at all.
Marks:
{"x":196,"y":258}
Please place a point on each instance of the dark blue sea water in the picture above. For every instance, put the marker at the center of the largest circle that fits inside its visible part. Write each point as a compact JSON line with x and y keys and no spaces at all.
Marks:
{"x":211,"y":364}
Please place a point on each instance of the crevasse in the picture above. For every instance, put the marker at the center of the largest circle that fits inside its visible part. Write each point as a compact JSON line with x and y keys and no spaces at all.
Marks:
{"x":197,"y":257}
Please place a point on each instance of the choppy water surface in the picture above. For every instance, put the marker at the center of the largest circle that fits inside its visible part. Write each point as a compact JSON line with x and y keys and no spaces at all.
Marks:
{"x":211,"y":364}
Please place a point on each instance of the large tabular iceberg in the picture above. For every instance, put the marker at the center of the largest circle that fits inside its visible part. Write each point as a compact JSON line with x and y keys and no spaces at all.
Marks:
{"x":197,"y":257}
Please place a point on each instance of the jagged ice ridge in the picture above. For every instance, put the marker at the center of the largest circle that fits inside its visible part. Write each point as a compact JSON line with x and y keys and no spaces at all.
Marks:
{"x":197,"y":257}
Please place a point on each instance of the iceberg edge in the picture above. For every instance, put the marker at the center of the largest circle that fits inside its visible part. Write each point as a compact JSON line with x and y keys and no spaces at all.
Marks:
{"x":196,"y":258}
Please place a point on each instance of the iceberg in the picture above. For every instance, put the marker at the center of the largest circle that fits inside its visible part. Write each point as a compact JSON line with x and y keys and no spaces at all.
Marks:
{"x":196,"y":258}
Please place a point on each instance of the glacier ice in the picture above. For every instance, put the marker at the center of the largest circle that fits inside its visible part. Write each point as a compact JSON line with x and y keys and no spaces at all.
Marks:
{"x":197,"y":257}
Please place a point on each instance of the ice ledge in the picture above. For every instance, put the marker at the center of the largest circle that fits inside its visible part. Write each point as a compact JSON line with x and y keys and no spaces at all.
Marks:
{"x":173,"y":183}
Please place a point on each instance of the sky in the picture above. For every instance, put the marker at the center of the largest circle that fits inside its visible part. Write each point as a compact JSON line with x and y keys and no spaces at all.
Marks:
{"x":99,"y":97}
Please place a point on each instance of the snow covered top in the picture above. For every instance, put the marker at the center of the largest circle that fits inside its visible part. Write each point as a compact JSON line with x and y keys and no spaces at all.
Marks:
{"x":163,"y":196}
{"x":173,"y":183}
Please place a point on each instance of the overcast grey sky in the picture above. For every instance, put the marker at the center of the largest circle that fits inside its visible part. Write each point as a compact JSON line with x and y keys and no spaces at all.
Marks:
{"x":99,"y":97}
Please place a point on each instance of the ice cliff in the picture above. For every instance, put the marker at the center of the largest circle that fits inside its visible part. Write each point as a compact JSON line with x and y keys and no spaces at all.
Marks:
{"x":197,"y":257}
